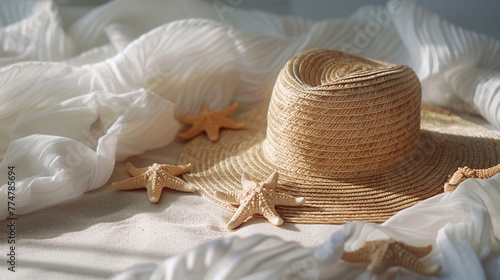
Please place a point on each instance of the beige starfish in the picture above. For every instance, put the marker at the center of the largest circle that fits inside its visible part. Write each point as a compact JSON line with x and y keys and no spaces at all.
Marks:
{"x":155,"y":178}
{"x":466,"y":172}
{"x":382,"y":254}
{"x":210,"y":122}
{"x":258,"y":198}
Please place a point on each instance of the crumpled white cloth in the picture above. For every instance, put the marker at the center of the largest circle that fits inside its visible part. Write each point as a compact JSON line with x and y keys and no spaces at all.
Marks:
{"x":462,"y":226}
{"x":73,"y":102}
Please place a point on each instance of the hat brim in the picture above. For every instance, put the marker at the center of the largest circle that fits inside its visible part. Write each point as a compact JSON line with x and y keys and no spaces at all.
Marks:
{"x":446,"y":143}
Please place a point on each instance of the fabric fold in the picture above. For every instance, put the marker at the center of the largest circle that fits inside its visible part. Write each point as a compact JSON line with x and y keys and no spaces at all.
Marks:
{"x":58,"y":162}
{"x":31,"y":30}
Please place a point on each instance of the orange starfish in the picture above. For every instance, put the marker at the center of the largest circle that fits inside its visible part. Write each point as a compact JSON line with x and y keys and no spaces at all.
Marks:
{"x":258,"y":198}
{"x":155,"y":178}
{"x":210,"y":122}
{"x":382,"y":254}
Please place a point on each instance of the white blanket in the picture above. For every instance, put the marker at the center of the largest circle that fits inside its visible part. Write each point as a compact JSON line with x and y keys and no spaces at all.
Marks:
{"x":75,"y":103}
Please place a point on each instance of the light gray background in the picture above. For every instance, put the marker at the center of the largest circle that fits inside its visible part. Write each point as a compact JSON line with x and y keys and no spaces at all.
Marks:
{"x":479,"y":15}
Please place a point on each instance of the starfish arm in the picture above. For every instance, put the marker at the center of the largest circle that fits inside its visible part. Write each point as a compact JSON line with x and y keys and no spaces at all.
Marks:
{"x":245,"y":181}
{"x":287,"y":200}
{"x":176,"y":170}
{"x":130,"y":184}
{"x":212,"y":130}
{"x":177,"y":184}
{"x":229,"y":110}
{"x":238,"y":195}
{"x":418,"y":252}
{"x":364,"y":253}
{"x":487,"y":172}
{"x":134,"y":171}
{"x":240,"y":216}
{"x":154,"y":191}
{"x":382,"y":259}
{"x":196,"y":129}
{"x":408,"y":260}
{"x":272,"y":181}
{"x":413,"y":264}
{"x":229,"y":197}
{"x":358,"y":256}
{"x":270,"y":213}
{"x":187,"y":119}
{"x":227,"y":123}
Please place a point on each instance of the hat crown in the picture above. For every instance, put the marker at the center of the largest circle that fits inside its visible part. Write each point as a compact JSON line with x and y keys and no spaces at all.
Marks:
{"x":338,"y":115}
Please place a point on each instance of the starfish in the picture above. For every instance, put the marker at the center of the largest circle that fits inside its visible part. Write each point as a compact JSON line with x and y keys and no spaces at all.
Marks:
{"x":383,"y":254}
{"x":210,"y":122}
{"x":258,"y":198}
{"x":466,"y":172}
{"x":155,"y":178}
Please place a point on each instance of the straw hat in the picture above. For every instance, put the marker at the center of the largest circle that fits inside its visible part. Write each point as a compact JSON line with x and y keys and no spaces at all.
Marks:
{"x":348,"y":134}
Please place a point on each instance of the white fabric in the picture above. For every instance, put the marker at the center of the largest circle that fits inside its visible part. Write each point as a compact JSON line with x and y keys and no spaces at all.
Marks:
{"x":72,"y":104}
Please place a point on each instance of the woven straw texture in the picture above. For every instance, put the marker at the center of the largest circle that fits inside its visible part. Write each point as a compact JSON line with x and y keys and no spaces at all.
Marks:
{"x":348,"y":134}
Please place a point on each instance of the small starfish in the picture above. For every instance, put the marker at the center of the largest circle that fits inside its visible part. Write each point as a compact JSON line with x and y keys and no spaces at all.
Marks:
{"x":382,"y":254}
{"x":210,"y":122}
{"x":155,"y":178}
{"x":466,"y":172}
{"x":258,"y":198}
